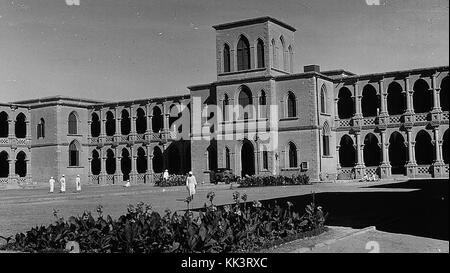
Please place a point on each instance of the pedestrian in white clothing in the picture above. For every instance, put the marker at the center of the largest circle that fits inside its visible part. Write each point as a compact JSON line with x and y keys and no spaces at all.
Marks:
{"x":166,"y":175}
{"x":191,"y":184}
{"x":62,"y":181}
{"x":52,"y":184}
{"x":78,"y":183}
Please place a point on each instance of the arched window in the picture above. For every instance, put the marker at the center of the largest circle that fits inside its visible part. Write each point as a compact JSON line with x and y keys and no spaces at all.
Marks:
{"x":369,"y":101}
{"x":212,"y":158}
{"x":326,"y":139}
{"x":21,"y":164}
{"x":225,"y":105}
{"x":346,"y":152}
{"x":74,"y":153}
{"x":260,"y":53}
{"x":372,"y":151}
{"x":243,"y":54}
{"x":158,"y":160}
{"x":4,"y":124}
{"x":157,"y":120}
{"x":141,"y":121}
{"x":73,"y":124}
{"x":4,"y":164}
{"x":227,"y":158}
{"x":110,"y":124}
{"x":274,"y":54}
{"x":41,"y":129}
{"x":20,"y":127}
{"x":262,"y":104}
{"x":323,"y":99}
{"x":175,"y":113}
{"x":397,"y":153}
{"x":141,"y":161}
{"x":444,"y":95}
{"x":265,"y":156}
{"x":245,"y":99}
{"x":423,"y":97}
{"x":125,"y":124}
{"x":95,"y":125}
{"x":424,"y":149}
{"x":283,"y":64}
{"x":395,"y":99}
{"x":345,"y":103}
{"x":292,"y":155}
{"x":125,"y":164}
{"x":110,"y":162}
{"x":291,"y":105}
{"x":226,"y":58}
{"x":95,"y":163}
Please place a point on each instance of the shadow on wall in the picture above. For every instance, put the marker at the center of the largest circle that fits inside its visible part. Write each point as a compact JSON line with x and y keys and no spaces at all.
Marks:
{"x":422,"y":212}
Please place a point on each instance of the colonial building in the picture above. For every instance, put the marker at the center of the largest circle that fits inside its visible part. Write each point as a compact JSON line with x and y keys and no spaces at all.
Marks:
{"x":257,"y":117}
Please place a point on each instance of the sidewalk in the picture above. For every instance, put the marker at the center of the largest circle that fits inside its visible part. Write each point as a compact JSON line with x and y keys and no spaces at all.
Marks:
{"x":367,"y":240}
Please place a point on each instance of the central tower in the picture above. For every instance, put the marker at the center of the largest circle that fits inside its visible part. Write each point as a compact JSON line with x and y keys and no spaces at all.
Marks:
{"x":255,"y":47}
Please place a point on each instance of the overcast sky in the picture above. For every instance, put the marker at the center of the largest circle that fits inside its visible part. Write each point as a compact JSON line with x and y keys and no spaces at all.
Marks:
{"x":131,"y":49}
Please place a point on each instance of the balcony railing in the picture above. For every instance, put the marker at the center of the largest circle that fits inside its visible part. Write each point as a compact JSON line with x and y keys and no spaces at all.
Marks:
{"x":4,"y":140}
{"x":421,"y":117}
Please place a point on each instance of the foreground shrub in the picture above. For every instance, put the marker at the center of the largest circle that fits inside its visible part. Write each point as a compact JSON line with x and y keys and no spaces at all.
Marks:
{"x":273,"y":180}
{"x":231,"y":228}
{"x":173,"y":180}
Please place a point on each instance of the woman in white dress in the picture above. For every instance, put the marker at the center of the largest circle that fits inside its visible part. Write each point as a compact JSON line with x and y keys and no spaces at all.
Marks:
{"x":191,"y":184}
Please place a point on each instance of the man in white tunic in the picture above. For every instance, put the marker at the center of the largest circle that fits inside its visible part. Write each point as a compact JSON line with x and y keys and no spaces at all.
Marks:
{"x":78,"y":183}
{"x":166,"y":175}
{"x":52,"y":184}
{"x":62,"y":181}
{"x":191,"y":184}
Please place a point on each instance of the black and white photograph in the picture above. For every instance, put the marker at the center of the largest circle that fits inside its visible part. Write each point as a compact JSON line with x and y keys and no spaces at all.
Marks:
{"x":224,"y":134}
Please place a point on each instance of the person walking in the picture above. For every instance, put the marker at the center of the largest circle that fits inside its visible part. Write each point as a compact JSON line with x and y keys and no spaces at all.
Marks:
{"x":62,"y":181}
{"x":78,"y":183}
{"x":166,"y":175}
{"x":52,"y":184}
{"x":191,"y":184}
{"x":127,"y":184}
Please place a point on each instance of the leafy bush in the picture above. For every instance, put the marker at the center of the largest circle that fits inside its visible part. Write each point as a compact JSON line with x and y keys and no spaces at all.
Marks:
{"x":240,"y":227}
{"x":273,"y":180}
{"x":173,"y":180}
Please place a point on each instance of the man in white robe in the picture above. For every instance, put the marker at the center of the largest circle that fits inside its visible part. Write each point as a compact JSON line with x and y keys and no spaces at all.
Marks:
{"x":166,"y":175}
{"x":78,"y":183}
{"x":191,"y":184}
{"x":62,"y":181}
{"x":52,"y":184}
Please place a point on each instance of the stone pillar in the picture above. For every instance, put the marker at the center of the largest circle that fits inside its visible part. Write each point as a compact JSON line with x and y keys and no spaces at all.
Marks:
{"x":385,"y":168}
{"x":28,"y":133}
{"x":359,"y":168}
{"x":103,"y":126}
{"x":435,"y":89}
{"x":11,"y":131}
{"x":383,"y":98}
{"x":149,"y":174}
{"x":411,"y":165}
{"x":89,"y":174}
{"x":133,"y":132}
{"x":117,"y":135}
{"x":149,"y":120}
{"x":338,"y":164}
{"x":409,"y":97}
{"x":101,"y":178}
{"x":118,"y":176}
{"x":336,"y":112}
{"x":438,"y":164}
{"x":358,"y":97}
{"x":133,"y":171}
{"x":12,"y":169}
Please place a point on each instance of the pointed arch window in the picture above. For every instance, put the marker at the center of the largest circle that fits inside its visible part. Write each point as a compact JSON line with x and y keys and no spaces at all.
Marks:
{"x":243,"y":54}
{"x":291,"y":107}
{"x":292,"y":155}
{"x":260,"y":53}
{"x":226,"y":58}
{"x":74,"y":154}
{"x":326,"y":139}
{"x":323,"y":99}
{"x":41,"y":129}
{"x":73,"y":124}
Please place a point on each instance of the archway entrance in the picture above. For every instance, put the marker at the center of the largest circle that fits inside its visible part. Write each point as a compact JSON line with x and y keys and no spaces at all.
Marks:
{"x":397,"y":153}
{"x":110,"y":162}
{"x":141,"y":161}
{"x":21,"y":164}
{"x":158,"y":160}
{"x":4,"y":165}
{"x":125,"y":164}
{"x":247,"y":159}
{"x":372,"y":151}
{"x":346,"y":152}
{"x":424,"y":148}
{"x":95,"y":163}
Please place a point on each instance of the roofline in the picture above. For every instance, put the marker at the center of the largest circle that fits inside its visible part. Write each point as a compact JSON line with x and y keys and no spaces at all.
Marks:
{"x":252,"y":21}
{"x":337,"y":72}
{"x":138,"y":101}
{"x":56,"y":98}
{"x":392,"y":73}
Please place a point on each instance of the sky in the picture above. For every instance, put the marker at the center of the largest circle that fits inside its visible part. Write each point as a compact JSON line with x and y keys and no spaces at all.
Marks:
{"x":114,"y":50}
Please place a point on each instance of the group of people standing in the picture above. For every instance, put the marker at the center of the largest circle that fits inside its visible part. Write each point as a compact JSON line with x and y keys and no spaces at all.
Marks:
{"x":191,"y":182}
{"x":62,"y":182}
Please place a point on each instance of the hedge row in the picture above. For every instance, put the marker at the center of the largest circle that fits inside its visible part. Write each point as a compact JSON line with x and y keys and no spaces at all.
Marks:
{"x":273,"y":180}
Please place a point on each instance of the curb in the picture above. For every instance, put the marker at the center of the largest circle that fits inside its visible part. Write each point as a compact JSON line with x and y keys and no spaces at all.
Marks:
{"x":332,"y":241}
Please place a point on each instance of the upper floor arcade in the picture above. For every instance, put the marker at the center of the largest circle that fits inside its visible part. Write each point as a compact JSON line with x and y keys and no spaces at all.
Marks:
{"x":14,"y":125}
{"x":409,"y":97}
{"x":156,"y":119}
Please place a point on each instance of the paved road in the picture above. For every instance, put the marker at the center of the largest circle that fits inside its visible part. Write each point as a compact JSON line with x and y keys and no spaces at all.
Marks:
{"x":22,"y":209}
